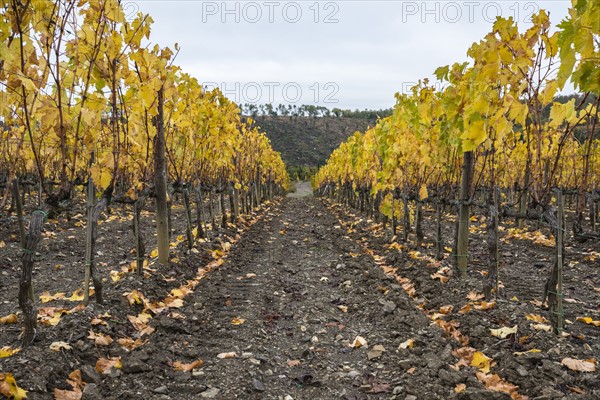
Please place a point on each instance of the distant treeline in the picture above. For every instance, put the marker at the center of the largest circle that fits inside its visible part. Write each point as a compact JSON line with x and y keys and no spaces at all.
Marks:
{"x":307,"y":110}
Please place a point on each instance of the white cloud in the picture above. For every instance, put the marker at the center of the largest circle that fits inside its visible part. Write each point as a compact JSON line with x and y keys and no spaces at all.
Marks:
{"x":373,"y":49}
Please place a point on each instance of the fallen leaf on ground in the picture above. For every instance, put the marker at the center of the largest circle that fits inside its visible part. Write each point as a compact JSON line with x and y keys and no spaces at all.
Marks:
{"x":461,"y":387}
{"x":100,"y":339}
{"x":465,"y":309}
{"x":76,"y":383}
{"x":446,"y":309}
{"x":293,"y":363}
{"x":474,"y":296}
{"x":238,"y":321}
{"x":9,"y":319}
{"x":497,"y":384}
{"x":520,"y":353}
{"x":573,"y":364}
{"x":130,"y":344}
{"x":58,"y":346}
{"x":134,"y":297}
{"x":359,"y":341}
{"x":9,"y":387}
{"x":343,"y":308}
{"x":103,"y":365}
{"x":407,"y":344}
{"x":179,"y":366}
{"x":481,"y":361}
{"x":536,"y":318}
{"x":504,"y":331}
{"x":8,"y":351}
{"x":46,"y":297}
{"x":542,"y":327}
{"x":585,"y":320}
{"x":484,"y":305}
{"x":376,"y":352}
{"x":78,"y":295}
{"x":230,"y":354}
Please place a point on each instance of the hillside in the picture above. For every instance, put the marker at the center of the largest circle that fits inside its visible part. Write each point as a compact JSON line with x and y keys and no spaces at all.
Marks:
{"x":308,"y":141}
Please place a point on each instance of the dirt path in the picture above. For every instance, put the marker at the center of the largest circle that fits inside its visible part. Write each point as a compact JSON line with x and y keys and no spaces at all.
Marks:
{"x":303,"y":189}
{"x":305,"y":292}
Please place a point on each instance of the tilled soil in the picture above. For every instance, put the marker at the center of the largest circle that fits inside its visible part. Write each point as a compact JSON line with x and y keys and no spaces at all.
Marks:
{"x":296,"y":337}
{"x":284,"y":309}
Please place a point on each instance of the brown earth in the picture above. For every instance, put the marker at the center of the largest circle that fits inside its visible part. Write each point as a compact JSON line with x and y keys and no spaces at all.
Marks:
{"x":300,"y":283}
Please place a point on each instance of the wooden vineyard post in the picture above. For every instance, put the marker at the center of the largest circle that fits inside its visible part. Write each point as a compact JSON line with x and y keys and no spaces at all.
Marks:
{"x":26,"y":303}
{"x":592,"y":212}
{"x":140,"y":248}
{"x":439,"y":255}
{"x":394,"y":227}
{"x":559,"y":263}
{"x":462,"y":239}
{"x":406,"y":230}
{"x":419,"y":223}
{"x":223,"y":207}
{"x":89,"y":238}
{"x":19,"y":207}
{"x":492,"y":281}
{"x":199,"y":212}
{"x":160,"y":185}
{"x":496,"y":224}
{"x":188,"y":219}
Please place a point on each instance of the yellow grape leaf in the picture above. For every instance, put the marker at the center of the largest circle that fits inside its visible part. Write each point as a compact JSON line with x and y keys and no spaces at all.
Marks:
{"x":9,"y":319}
{"x":77,"y":295}
{"x":134,"y":297}
{"x":47,"y":297}
{"x":520,"y":353}
{"x":579,"y":365}
{"x":154,"y":253}
{"x":359,"y":341}
{"x":481,"y":361}
{"x":536,"y":318}
{"x":9,"y":387}
{"x":7,"y":351}
{"x":407,"y":344}
{"x":504,"y":331}
{"x":423,"y":192}
{"x":238,"y":321}
{"x":461,"y":387}
{"x":179,"y":366}
{"x":103,"y":365}
{"x":586,"y":320}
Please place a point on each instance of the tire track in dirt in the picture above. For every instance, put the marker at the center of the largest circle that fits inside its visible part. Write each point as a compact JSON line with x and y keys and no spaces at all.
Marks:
{"x":291,"y":277}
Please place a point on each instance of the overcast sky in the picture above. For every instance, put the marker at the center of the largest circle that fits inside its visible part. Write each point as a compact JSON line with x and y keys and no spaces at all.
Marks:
{"x":347,"y":54}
